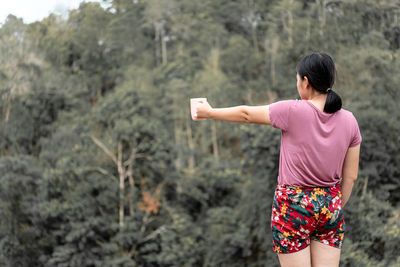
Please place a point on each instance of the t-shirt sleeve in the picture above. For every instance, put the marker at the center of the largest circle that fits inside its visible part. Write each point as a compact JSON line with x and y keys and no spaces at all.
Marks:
{"x":356,"y":136}
{"x":279,"y":114}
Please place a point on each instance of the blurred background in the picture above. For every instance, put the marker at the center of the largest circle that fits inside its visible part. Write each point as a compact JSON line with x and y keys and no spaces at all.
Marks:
{"x":102,"y":165}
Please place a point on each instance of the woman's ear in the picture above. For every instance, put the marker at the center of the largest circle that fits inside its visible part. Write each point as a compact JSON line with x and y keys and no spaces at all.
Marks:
{"x":305,"y":79}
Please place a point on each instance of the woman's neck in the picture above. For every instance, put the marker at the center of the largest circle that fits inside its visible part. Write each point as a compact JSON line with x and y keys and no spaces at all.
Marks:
{"x":318,"y":99}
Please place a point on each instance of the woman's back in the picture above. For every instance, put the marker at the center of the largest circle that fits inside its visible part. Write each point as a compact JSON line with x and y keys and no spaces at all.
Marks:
{"x":314,"y":143}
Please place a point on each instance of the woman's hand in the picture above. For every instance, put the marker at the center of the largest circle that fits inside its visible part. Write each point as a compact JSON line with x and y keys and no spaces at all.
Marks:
{"x":203,"y":109}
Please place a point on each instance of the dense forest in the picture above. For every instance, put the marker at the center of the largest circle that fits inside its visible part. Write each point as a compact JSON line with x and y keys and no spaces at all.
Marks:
{"x":102,"y":165}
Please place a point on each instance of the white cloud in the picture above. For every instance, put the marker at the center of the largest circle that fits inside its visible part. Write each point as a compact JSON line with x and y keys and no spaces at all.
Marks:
{"x":31,"y":11}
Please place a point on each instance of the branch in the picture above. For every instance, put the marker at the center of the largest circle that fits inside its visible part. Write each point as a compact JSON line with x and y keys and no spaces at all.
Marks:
{"x":104,"y":148}
{"x":100,"y":170}
{"x":119,"y":164}
{"x":131,"y":157}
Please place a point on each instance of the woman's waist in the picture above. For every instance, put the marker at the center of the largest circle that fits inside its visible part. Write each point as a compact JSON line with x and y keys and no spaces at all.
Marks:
{"x":294,"y":182}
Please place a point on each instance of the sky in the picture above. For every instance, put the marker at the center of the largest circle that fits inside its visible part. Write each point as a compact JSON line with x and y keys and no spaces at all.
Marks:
{"x":33,"y":10}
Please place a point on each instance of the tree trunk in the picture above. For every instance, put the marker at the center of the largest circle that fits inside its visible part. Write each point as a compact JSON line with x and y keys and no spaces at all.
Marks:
{"x":322,"y":16}
{"x":131,"y":195}
{"x":180,"y":48}
{"x":157,"y":37}
{"x":177,"y":134}
{"x":191,"y":162}
{"x":290,"y":25}
{"x":275,"y":46}
{"x":254,"y":37}
{"x":8,"y":110}
{"x":214,"y":140}
{"x":131,"y":181}
{"x":121,"y":172}
{"x":272,"y":45}
{"x":163,"y":47}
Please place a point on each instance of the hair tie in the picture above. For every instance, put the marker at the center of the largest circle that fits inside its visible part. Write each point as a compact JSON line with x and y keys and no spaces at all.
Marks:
{"x":329,"y":89}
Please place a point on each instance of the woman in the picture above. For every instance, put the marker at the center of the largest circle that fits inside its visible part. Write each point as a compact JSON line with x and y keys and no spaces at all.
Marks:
{"x":320,"y":147}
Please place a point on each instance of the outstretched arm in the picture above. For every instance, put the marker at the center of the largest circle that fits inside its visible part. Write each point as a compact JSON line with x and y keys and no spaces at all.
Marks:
{"x":241,"y":114}
{"x":231,"y":114}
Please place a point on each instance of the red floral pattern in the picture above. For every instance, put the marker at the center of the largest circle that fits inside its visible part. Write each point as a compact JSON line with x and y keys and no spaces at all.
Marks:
{"x":301,"y":214}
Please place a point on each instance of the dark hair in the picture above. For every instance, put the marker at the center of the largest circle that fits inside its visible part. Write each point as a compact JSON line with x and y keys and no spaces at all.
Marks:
{"x":320,"y":72}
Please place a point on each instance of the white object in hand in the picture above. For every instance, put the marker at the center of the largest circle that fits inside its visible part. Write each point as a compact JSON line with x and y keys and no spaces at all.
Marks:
{"x":193,"y":107}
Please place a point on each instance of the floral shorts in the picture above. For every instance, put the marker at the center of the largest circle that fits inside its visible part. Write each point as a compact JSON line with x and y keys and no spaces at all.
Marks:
{"x":301,"y":214}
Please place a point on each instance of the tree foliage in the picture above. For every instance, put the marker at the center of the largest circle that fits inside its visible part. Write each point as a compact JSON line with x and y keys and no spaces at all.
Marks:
{"x":101,"y":164}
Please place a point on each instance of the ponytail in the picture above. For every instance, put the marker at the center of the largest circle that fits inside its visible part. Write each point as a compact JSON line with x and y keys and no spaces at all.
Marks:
{"x":333,"y":102}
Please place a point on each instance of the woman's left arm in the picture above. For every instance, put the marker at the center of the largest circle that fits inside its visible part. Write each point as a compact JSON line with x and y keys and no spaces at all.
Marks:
{"x":241,"y":114}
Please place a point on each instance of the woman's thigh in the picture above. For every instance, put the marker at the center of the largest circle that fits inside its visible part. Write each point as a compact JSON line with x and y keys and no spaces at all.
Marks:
{"x":297,"y":259}
{"x":323,"y":255}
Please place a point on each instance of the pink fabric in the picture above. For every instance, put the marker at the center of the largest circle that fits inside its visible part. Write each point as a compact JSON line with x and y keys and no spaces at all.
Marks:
{"x":313,"y":143}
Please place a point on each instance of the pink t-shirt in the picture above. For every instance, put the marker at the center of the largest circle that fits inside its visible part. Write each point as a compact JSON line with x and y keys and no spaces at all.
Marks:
{"x":313,"y":143}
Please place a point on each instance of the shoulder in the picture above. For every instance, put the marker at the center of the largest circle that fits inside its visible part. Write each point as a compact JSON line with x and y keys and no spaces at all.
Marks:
{"x":346,"y":112}
{"x":279,"y":112}
{"x":348,"y":119}
{"x":286,"y":103}
{"x":353,"y":128}
{"x":347,"y":115}
{"x":282,"y":106}
{"x":288,"y":106}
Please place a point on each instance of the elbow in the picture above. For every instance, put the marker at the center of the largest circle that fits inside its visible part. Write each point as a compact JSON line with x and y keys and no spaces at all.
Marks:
{"x":351,"y":179}
{"x":245,"y":115}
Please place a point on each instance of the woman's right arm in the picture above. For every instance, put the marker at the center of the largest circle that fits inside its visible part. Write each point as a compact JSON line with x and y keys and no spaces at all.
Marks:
{"x":349,"y":172}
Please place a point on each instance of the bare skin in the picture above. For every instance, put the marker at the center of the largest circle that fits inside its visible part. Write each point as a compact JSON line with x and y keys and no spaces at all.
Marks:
{"x":315,"y":255}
